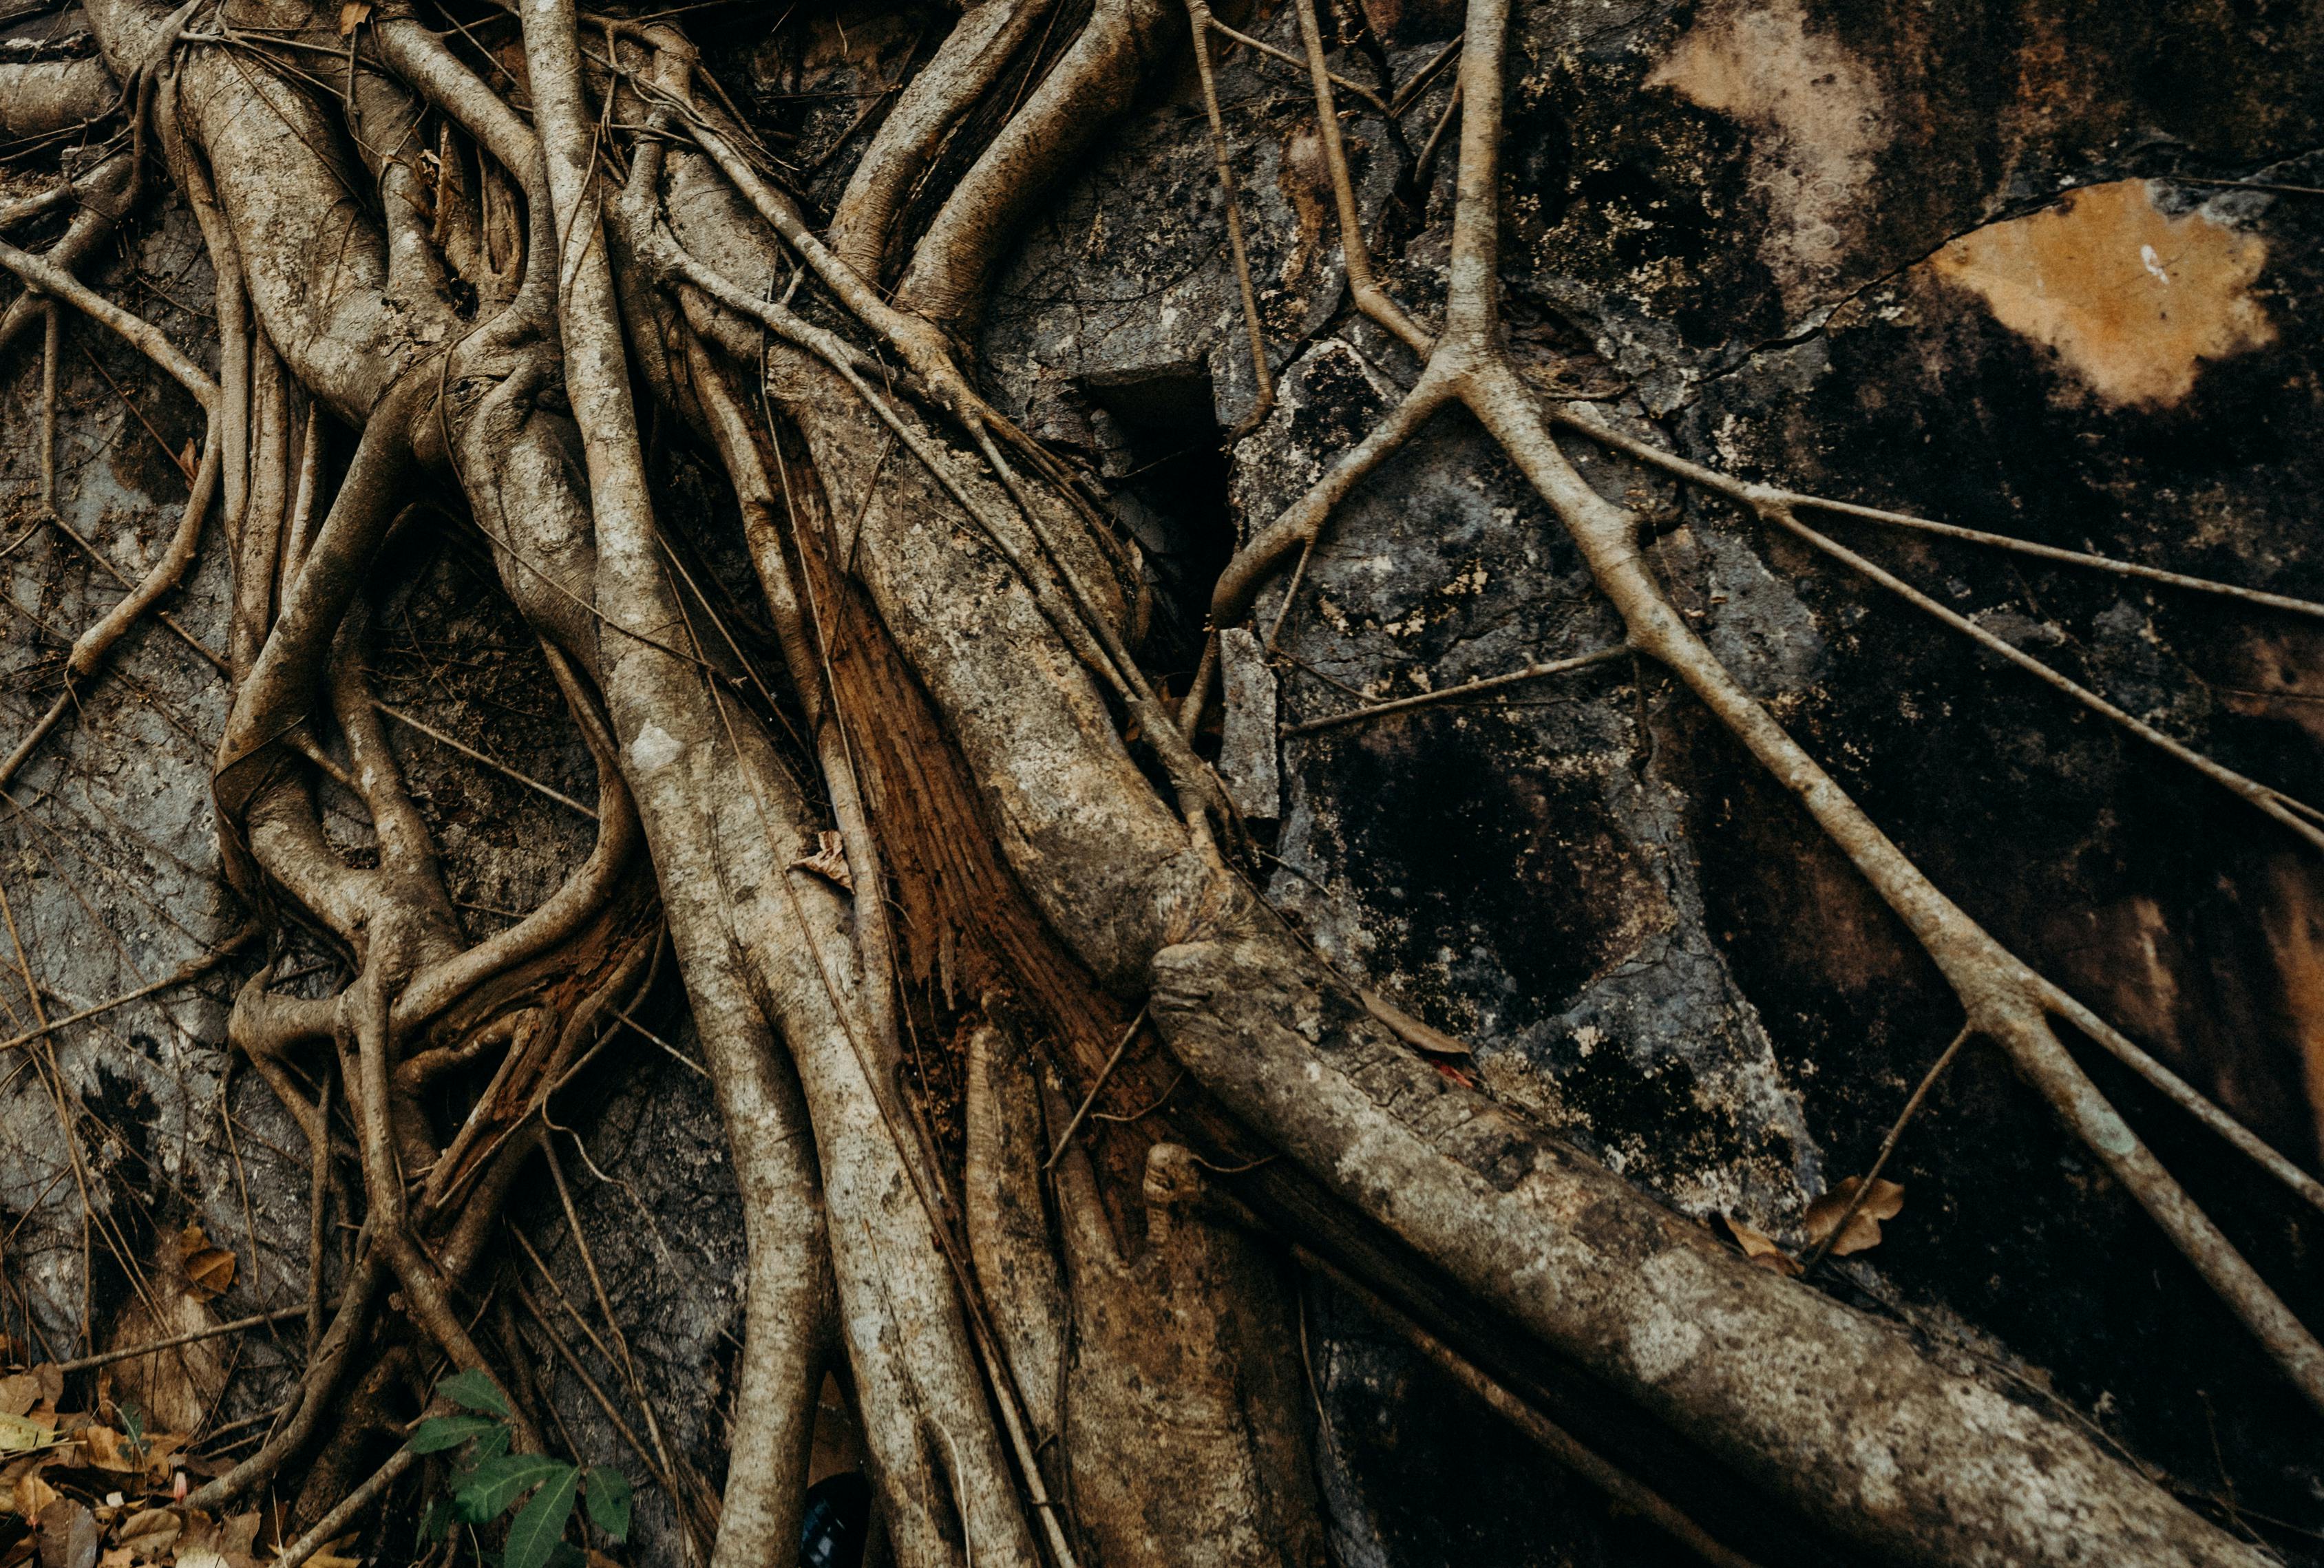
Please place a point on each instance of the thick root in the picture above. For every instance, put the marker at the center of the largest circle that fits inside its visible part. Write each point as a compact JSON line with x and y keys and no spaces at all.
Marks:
{"x":1836,"y":1412}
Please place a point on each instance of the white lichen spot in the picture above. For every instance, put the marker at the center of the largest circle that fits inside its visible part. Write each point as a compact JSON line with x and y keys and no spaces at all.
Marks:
{"x":1662,"y":1342}
{"x":655,"y":748}
{"x":1816,"y":123}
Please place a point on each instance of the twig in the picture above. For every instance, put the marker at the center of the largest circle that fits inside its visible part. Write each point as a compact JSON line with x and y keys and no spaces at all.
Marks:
{"x":530,"y":782}
{"x":52,"y":325}
{"x":626,"y":1364}
{"x":115,"y":573}
{"x":1090,"y":1099}
{"x":194,"y":971}
{"x":1817,"y":1254}
{"x":1262,"y":378}
{"x":1758,"y":497}
{"x":318,"y":1194}
{"x":333,"y":1525}
{"x":130,"y":1353}
{"x":140,"y":334}
{"x":699,"y":1069}
{"x":573,"y":1363}
{"x":1466,"y":689}
{"x":2247,"y":185}
{"x":1562,"y":1446}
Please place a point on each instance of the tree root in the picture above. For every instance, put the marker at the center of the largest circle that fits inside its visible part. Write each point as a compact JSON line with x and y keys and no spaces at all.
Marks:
{"x":955,"y":628}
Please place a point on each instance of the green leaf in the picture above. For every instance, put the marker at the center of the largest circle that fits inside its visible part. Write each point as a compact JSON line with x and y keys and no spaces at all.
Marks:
{"x":609,"y":1501}
{"x":442,"y":1432}
{"x":475,"y":1389}
{"x":436,"y":1520}
{"x":568,"y":1555}
{"x":491,"y":1445}
{"x":533,"y":1538}
{"x":495,"y":1485}
{"x":18,"y":1435}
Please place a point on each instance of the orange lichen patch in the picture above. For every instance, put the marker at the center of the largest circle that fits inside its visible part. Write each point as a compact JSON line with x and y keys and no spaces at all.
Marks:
{"x":1814,"y":113}
{"x":2132,"y":300}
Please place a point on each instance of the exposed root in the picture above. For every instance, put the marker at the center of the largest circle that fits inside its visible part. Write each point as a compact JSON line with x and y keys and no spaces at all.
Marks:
{"x":956,"y":622}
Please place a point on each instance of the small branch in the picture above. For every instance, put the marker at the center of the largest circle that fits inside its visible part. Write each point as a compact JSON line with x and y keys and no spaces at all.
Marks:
{"x":474,"y":755}
{"x":115,"y":573}
{"x":1295,"y":63}
{"x":1817,"y":1254}
{"x":140,"y":334}
{"x":193,"y":970}
{"x":1090,"y":1099}
{"x":1759,"y":496}
{"x":130,"y":1353}
{"x":1263,"y":379}
{"x":1466,"y":689}
{"x":2184,"y":1095}
{"x":334,"y":1525}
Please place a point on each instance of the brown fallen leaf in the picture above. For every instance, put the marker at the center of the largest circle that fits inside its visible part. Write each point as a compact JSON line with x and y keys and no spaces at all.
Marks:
{"x":1761,"y":1248}
{"x":829,"y":862}
{"x":68,"y":1535}
{"x":353,"y":14}
{"x":209,"y":1270}
{"x":19,"y":1393}
{"x":329,"y":1556}
{"x":150,"y":1534}
{"x":34,"y":1495}
{"x":109,"y":1450}
{"x":1884,"y":1201}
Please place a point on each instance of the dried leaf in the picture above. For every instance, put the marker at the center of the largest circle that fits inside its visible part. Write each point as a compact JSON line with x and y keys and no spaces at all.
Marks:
{"x":1760,"y":1248}
{"x":108,"y":1450}
{"x":829,"y":862}
{"x":19,"y":1393}
{"x":353,"y":14}
{"x":68,"y":1535}
{"x":150,"y":1533}
{"x":209,"y":1270}
{"x":329,"y":1556}
{"x":238,"y":1535}
{"x":1884,"y":1201}
{"x":32,"y":1495}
